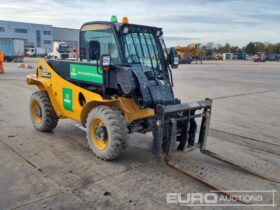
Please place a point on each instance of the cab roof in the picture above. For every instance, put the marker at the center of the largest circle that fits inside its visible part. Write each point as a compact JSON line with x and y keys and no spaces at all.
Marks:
{"x":120,"y":25}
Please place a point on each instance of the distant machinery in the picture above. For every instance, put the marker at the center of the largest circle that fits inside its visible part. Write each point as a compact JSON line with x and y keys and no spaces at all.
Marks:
{"x":192,"y":52}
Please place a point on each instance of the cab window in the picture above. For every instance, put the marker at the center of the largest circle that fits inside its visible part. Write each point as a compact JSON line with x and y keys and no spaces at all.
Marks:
{"x":105,"y":36}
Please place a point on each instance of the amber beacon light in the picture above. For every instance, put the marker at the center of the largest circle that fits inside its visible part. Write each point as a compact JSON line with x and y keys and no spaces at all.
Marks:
{"x":125,"y":20}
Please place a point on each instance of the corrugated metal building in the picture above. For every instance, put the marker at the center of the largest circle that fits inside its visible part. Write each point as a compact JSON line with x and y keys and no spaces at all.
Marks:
{"x":38,"y":35}
{"x":34,"y":35}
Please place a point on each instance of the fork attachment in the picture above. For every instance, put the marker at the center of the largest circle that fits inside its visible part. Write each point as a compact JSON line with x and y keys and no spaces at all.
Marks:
{"x":176,"y":123}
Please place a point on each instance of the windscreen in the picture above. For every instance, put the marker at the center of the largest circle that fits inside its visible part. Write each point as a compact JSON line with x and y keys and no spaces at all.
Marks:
{"x":142,"y":48}
{"x":63,"y":49}
{"x":105,"y":36}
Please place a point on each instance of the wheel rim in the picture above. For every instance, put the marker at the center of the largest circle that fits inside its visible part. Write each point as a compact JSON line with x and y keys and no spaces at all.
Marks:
{"x":99,"y":134}
{"x":36,"y":112}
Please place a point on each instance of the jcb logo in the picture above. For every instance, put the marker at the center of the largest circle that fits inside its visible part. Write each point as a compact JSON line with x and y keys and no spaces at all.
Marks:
{"x":73,"y":72}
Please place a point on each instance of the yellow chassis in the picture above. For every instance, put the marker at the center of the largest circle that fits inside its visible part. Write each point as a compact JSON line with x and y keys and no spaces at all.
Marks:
{"x":55,"y":85}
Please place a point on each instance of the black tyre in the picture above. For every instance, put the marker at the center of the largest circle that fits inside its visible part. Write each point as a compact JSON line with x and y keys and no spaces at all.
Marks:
{"x":107,"y":132}
{"x":43,"y":116}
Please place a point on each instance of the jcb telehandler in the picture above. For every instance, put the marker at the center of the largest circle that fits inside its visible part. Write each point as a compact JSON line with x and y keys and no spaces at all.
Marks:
{"x":121,"y":83}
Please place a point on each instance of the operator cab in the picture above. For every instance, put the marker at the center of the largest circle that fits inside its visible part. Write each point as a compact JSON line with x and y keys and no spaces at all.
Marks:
{"x":122,"y":59}
{"x":127,"y":45}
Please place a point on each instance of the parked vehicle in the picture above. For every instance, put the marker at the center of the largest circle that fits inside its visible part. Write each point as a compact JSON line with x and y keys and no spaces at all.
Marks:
{"x":273,"y":57}
{"x":217,"y":57}
{"x":260,"y":57}
{"x":209,"y":54}
{"x":13,"y":49}
{"x":240,"y":56}
{"x":36,"y":52}
{"x":61,"y":50}
{"x":227,"y":56}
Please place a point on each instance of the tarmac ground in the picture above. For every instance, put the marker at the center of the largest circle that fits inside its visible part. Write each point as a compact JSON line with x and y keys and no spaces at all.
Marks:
{"x":58,"y":171}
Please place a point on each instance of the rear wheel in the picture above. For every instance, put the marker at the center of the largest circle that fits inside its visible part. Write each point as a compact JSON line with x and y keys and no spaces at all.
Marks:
{"x":42,"y":114}
{"x":106,"y":132}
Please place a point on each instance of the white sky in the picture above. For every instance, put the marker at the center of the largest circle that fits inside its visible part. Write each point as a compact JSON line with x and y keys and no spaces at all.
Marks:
{"x":220,"y":21}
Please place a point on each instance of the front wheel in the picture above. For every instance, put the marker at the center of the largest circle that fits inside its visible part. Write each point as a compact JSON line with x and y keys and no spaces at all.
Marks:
{"x":43,"y":116}
{"x":106,"y":132}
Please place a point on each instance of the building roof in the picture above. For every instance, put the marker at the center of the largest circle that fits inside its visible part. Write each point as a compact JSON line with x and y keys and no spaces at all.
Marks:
{"x":8,"y":21}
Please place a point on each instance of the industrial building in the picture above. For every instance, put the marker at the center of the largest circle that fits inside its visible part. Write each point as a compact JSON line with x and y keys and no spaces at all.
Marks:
{"x":37,"y":35}
{"x":68,"y":35}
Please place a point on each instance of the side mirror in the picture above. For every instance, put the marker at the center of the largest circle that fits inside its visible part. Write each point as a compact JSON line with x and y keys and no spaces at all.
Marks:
{"x":94,"y":50}
{"x":173,"y":58}
{"x":105,"y":62}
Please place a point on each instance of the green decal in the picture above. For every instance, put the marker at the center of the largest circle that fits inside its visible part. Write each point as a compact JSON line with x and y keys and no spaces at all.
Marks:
{"x":85,"y":73}
{"x":68,"y":99}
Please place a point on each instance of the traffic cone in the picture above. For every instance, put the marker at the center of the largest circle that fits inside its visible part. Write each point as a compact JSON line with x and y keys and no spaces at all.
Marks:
{"x":1,"y":62}
{"x":1,"y":68}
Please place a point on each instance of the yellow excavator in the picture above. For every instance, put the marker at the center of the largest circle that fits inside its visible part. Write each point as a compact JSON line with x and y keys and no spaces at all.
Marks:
{"x":121,"y":84}
{"x":191,"y":52}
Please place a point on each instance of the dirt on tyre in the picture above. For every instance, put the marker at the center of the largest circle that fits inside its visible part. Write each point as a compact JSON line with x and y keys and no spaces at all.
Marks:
{"x":107,"y":132}
{"x":42,"y":114}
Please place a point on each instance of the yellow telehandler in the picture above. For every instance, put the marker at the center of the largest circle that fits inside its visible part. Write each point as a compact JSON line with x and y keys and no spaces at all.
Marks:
{"x":121,"y":83}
